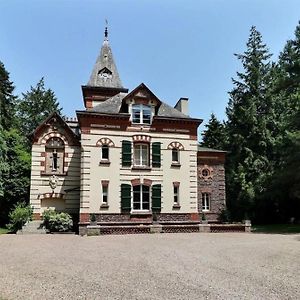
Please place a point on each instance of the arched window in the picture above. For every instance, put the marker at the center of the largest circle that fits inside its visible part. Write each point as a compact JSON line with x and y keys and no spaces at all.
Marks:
{"x":55,"y":149}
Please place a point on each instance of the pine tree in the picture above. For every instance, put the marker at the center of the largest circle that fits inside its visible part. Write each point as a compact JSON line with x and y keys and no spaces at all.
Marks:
{"x":7,"y":99}
{"x":284,"y":189}
{"x":214,"y":136}
{"x":249,"y":128}
{"x":35,"y":106}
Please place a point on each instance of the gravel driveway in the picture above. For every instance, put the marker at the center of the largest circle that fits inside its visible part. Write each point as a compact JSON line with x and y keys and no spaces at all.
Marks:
{"x":159,"y":266}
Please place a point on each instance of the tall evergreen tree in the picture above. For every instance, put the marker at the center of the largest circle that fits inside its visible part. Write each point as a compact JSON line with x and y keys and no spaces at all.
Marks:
{"x":283,"y":195}
{"x":35,"y":106}
{"x":7,"y":99}
{"x":249,"y":128}
{"x":214,"y":135}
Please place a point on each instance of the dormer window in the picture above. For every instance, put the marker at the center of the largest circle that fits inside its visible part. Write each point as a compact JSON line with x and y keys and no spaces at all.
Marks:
{"x":141,"y":114}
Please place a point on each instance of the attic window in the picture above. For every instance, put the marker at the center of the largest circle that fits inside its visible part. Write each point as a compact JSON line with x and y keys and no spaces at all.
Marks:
{"x":141,"y":114}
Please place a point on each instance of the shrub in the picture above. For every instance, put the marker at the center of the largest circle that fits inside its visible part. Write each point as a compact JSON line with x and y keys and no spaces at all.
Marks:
{"x":204,"y":217}
{"x":93,"y":218}
{"x":46,"y":217}
{"x":60,"y":222}
{"x":21,"y":214}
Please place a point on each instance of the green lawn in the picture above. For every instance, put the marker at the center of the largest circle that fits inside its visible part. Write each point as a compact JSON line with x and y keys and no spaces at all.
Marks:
{"x":276,"y":228}
{"x":3,"y":231}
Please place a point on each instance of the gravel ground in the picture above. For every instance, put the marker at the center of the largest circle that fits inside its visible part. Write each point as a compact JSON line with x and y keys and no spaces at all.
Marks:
{"x":157,"y":266}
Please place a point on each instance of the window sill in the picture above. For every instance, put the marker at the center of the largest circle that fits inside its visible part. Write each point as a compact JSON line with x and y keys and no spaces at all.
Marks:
{"x":54,"y":173}
{"x":175,"y":165}
{"x":140,"y":124}
{"x":104,"y":162}
{"x":104,"y":205}
{"x":141,"y":168}
{"x":176,"y":206}
{"x":140,"y":213}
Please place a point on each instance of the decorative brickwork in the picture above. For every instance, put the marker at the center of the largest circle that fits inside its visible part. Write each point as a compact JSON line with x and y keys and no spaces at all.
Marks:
{"x":214,"y":186}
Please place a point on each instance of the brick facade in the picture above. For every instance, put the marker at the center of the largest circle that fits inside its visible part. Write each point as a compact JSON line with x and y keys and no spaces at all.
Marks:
{"x":211,"y":164}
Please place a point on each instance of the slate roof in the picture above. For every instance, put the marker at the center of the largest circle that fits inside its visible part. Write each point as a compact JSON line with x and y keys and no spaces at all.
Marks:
{"x":113,"y":106}
{"x":166,"y":110}
{"x":105,"y":63}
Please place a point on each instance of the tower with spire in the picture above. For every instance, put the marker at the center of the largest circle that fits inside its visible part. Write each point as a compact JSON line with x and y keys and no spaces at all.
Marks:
{"x":104,"y":81}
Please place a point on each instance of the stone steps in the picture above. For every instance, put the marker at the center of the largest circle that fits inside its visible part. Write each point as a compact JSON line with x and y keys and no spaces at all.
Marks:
{"x":32,"y":227}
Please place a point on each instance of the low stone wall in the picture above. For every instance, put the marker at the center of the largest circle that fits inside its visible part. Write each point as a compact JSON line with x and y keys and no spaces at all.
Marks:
{"x":94,"y":230}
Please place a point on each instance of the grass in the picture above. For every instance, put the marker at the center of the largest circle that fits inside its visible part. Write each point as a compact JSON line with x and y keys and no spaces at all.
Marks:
{"x":276,"y":228}
{"x":3,"y":231}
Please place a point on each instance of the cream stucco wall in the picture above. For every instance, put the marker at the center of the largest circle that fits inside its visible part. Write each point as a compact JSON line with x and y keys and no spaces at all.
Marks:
{"x":68,"y":185}
{"x":92,"y":173}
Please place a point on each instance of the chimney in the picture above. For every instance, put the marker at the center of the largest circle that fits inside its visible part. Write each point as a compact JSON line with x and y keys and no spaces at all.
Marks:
{"x":182,"y":105}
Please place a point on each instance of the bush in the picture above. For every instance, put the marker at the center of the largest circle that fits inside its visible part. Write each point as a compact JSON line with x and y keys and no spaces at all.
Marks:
{"x":46,"y":217}
{"x":58,"y":222}
{"x":21,"y":214}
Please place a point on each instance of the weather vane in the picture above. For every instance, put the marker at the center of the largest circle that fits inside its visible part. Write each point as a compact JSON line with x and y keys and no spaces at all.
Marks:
{"x":106,"y":31}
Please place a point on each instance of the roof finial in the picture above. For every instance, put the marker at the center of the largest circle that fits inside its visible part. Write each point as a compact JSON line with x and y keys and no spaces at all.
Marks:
{"x":106,"y":31}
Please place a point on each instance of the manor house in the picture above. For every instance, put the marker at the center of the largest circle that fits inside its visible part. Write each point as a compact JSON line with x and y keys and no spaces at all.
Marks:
{"x":128,"y":160}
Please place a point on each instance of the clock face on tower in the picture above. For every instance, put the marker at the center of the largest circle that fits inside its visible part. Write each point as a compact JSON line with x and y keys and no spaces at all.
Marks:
{"x":105,"y":73}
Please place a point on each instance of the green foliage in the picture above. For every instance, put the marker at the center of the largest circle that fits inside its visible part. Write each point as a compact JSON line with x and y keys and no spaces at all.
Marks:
{"x":46,"y":217}
{"x":14,"y":171}
{"x":35,"y":106}
{"x":21,"y":214}
{"x":3,"y":231}
{"x":57,"y":222}
{"x":249,"y":129}
{"x":203,"y":217}
{"x":224,"y":216}
{"x":93,"y":218}
{"x":214,"y":136}
{"x":276,"y":228}
{"x":7,"y":99}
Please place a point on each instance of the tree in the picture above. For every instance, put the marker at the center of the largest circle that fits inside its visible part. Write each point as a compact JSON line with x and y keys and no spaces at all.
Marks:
{"x":35,"y":106}
{"x":214,"y":136}
{"x":7,"y":99}
{"x":283,"y":194}
{"x":14,"y":170}
{"x":249,"y":128}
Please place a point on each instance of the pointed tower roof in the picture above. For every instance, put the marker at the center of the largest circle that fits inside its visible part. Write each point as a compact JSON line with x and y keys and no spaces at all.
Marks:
{"x":105,"y":73}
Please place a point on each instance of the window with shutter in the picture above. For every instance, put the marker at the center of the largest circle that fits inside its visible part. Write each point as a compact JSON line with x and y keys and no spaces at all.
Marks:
{"x":125,"y":197}
{"x":156,"y":154}
{"x":126,"y":153}
{"x":156,"y":198}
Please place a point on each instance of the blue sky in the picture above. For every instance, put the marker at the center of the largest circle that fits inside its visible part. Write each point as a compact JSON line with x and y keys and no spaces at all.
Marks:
{"x":177,"y":48}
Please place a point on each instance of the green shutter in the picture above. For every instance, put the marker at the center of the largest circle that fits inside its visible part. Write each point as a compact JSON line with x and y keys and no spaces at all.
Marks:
{"x":126,"y":153}
{"x":156,"y":155}
{"x":156,"y":197}
{"x":125,"y":197}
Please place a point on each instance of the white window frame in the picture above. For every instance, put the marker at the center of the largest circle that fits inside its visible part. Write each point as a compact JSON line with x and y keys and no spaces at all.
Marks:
{"x":140,"y":147}
{"x":176,"y":194}
{"x":141,"y":198}
{"x":104,"y":193}
{"x":141,"y":108}
{"x":206,"y":199}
